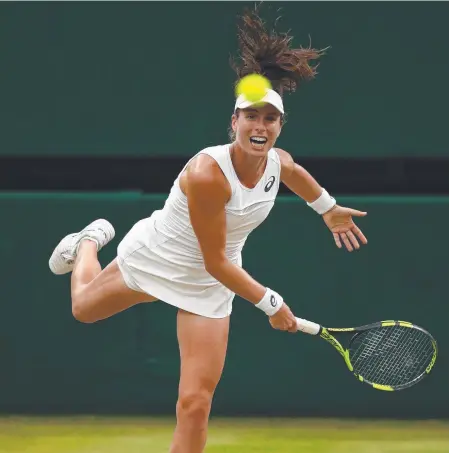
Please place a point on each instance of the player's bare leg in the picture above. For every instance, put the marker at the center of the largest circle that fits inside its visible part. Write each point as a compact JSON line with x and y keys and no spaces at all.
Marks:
{"x":202,"y":343}
{"x":96,"y":294}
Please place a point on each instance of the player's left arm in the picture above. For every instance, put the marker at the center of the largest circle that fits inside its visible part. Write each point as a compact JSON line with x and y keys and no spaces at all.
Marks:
{"x":337,"y":218}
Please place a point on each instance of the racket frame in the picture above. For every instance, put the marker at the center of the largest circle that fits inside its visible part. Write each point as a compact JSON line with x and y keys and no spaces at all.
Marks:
{"x":326,"y":334}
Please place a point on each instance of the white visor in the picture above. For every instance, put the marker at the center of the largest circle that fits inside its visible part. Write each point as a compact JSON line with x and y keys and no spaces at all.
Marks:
{"x":271,"y":97}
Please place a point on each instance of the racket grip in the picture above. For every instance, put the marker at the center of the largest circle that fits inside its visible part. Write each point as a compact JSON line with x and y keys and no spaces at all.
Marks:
{"x":312,"y":328}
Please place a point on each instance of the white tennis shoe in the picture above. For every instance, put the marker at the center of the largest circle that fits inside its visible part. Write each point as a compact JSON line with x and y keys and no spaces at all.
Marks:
{"x":63,"y":257}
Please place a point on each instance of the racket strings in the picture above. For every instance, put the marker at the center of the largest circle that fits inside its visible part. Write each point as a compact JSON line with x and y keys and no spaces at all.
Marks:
{"x":393,"y":355}
{"x":370,"y":356}
{"x":410,"y":366}
{"x":383,"y":367}
{"x":407,"y":363}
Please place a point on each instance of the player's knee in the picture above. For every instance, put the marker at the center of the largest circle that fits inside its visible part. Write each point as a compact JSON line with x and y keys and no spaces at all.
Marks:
{"x":194,"y":405}
{"x":79,"y":312}
{"x":80,"y":315}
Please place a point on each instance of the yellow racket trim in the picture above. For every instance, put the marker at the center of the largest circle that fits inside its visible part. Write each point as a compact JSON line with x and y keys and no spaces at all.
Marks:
{"x":337,"y":345}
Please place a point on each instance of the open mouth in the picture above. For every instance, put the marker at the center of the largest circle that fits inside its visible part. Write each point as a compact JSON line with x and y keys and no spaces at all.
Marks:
{"x":258,"y":142}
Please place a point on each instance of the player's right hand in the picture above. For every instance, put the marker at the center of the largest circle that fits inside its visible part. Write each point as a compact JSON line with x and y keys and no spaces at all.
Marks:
{"x":284,"y":320}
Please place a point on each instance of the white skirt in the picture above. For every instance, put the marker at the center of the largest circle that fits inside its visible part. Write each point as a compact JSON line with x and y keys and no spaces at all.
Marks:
{"x":190,"y":288}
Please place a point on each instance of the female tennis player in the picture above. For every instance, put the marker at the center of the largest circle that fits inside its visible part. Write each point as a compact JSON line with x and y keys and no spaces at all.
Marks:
{"x":189,"y":253}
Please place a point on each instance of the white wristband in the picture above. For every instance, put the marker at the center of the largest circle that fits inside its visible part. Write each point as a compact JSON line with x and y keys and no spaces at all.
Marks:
{"x":323,"y":203}
{"x":271,"y":302}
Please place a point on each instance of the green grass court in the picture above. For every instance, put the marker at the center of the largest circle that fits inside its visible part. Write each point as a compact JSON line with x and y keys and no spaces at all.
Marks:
{"x":150,"y":435}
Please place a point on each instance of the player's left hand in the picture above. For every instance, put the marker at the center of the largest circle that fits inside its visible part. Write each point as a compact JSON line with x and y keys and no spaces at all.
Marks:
{"x":339,"y":221}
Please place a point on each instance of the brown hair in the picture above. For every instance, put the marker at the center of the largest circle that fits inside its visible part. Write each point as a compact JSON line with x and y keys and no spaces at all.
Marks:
{"x":270,"y":53}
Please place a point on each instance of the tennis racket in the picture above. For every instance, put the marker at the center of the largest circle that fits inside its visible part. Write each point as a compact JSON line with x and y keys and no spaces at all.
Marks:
{"x":388,"y":355}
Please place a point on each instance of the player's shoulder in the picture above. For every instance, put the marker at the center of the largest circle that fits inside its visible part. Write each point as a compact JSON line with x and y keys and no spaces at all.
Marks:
{"x":286,"y":162}
{"x":204,"y":174}
{"x":206,"y":160}
{"x":283,"y":155}
{"x":214,"y":148}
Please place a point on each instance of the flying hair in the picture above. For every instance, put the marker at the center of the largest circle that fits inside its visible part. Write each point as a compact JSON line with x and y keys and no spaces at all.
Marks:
{"x":265,"y":51}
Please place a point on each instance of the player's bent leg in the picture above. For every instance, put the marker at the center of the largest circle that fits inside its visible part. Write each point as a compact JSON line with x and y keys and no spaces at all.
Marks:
{"x":96,"y":294}
{"x":104,"y":296}
{"x":202,"y":344}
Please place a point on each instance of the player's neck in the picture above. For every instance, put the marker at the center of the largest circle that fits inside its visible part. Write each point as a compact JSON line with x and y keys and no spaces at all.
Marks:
{"x":249,"y":169}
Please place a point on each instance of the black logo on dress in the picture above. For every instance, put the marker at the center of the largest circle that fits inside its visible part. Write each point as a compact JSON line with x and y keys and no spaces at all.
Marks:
{"x":273,"y":300}
{"x":270,"y":183}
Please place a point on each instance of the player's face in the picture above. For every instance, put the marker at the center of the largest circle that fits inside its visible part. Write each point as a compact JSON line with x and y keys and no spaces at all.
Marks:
{"x":257,"y":129}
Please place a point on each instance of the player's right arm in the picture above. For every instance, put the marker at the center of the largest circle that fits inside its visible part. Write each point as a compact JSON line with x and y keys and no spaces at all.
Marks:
{"x":207,"y":192}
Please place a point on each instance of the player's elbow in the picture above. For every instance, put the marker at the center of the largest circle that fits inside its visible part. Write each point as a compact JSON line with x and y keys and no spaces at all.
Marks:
{"x":215,"y":266}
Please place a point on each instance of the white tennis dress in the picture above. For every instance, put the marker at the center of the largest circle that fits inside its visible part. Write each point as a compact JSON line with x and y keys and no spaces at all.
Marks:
{"x":161,"y":255}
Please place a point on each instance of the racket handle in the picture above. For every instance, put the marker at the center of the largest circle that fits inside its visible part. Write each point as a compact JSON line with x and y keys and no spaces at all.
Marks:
{"x":312,"y":328}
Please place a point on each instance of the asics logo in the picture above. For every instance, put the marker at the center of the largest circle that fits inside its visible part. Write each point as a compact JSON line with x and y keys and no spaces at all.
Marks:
{"x":273,"y":301}
{"x":270,"y":183}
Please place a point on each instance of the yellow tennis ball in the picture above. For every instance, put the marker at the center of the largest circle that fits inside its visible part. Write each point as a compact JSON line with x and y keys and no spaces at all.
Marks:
{"x":253,"y":86}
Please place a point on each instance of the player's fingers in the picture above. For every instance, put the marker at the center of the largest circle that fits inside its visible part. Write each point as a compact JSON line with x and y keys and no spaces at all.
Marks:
{"x":353,"y":239}
{"x":337,"y":240}
{"x":356,"y":230}
{"x":356,"y":213}
{"x":346,"y":241}
{"x":293,"y":328}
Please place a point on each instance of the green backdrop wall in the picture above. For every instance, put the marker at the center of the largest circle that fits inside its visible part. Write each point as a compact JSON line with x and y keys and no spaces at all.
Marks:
{"x":129,"y":363}
{"x":152,"y":78}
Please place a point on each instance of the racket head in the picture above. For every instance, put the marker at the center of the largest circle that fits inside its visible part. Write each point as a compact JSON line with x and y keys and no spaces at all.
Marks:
{"x":392,"y":355}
